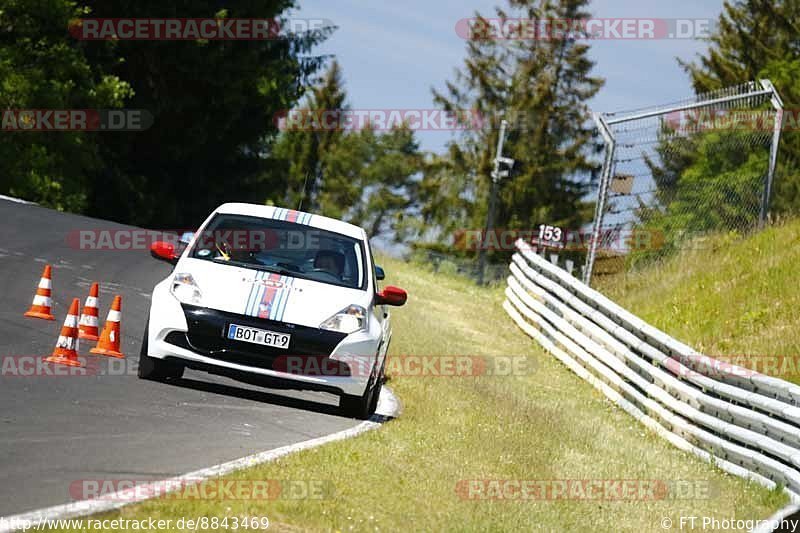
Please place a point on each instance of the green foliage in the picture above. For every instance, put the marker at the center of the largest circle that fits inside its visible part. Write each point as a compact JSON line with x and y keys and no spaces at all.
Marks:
{"x":785,"y":74}
{"x":41,"y":69}
{"x":712,"y":181}
{"x":541,"y":87}
{"x":214,"y":105}
{"x":757,"y":39}
{"x":302,"y":149}
{"x":362,"y":176}
{"x":716,"y":190}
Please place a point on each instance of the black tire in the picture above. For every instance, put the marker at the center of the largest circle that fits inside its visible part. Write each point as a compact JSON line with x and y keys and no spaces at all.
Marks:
{"x":363,"y":407}
{"x":156,"y":369}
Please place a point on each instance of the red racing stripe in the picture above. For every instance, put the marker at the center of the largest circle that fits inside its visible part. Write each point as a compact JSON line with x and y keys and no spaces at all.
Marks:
{"x":268,"y":298}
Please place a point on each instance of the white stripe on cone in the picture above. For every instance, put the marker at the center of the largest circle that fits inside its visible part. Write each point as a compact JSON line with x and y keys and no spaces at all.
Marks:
{"x":88,"y":320}
{"x":69,"y":343}
{"x":44,"y":301}
{"x":71,"y":321}
{"x":45,"y":283}
{"x":114,"y":316}
{"x":91,"y":301}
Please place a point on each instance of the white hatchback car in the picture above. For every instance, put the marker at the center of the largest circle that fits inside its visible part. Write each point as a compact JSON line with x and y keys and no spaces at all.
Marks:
{"x":282,"y":297}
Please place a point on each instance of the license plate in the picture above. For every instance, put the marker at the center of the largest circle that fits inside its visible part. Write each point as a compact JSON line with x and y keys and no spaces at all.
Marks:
{"x":258,"y":336}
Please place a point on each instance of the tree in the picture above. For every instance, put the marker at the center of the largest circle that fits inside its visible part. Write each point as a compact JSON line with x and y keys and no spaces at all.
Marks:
{"x":363,"y":176}
{"x":388,"y":180}
{"x":303,"y":146}
{"x":41,"y":69}
{"x":213,"y":104}
{"x":757,"y":39}
{"x":541,"y":86}
{"x":709,"y":183}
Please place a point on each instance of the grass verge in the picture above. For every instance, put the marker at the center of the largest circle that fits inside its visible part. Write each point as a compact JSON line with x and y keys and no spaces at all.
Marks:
{"x":544,"y":424}
{"x":735,"y":299}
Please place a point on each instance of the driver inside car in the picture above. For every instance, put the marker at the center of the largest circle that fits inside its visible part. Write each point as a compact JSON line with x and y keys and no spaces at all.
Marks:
{"x":231,"y":247}
{"x":330,"y":261}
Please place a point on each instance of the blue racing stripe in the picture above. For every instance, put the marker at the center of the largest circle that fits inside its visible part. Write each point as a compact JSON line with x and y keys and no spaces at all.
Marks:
{"x":279,"y":300}
{"x":253,"y":290}
{"x":249,"y":303}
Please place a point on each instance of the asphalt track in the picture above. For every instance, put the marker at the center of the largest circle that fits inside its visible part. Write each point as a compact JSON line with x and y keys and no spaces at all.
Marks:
{"x":56,"y":430}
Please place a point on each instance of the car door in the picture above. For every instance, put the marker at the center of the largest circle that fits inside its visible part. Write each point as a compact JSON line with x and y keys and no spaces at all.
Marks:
{"x":381,"y":314}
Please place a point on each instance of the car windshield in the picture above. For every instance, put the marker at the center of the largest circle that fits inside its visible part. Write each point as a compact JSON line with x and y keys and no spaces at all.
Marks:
{"x":283,"y":247}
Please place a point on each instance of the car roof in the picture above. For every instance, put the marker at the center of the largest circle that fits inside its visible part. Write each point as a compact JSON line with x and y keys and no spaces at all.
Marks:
{"x":291,"y":215}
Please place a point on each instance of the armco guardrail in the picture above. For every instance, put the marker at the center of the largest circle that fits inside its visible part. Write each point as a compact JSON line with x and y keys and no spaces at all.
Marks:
{"x":746,"y":423}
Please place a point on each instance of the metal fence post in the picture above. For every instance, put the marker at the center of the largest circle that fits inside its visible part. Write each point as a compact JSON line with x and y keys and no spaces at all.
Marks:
{"x":777,"y":104}
{"x":497,"y":174}
{"x":600,"y":206}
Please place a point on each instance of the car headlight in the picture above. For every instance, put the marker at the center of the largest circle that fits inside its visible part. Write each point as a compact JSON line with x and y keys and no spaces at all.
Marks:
{"x":348,"y":320}
{"x":185,"y":289}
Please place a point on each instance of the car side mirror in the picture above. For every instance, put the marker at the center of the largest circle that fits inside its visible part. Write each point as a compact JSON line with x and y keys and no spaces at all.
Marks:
{"x":165,"y":251}
{"x":391,"y":296}
{"x":379,"y":273}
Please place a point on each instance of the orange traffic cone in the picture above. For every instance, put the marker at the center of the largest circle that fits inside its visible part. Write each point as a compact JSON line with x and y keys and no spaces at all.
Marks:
{"x":88,"y":324}
{"x":42,"y":302}
{"x":109,"y":339}
{"x":66,"y":352}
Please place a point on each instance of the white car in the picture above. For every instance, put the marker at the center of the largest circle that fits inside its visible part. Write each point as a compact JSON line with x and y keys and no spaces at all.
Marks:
{"x":282,"y":297}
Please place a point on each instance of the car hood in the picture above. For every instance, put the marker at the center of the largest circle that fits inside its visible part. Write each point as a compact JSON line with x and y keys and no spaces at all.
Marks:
{"x":235,"y":289}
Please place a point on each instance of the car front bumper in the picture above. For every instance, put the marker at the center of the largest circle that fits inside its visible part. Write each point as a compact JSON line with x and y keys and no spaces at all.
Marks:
{"x":316,"y":359}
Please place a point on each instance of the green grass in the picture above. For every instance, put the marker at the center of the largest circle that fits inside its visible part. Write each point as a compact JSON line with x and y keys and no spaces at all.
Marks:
{"x":731,"y":298}
{"x":544,"y":425}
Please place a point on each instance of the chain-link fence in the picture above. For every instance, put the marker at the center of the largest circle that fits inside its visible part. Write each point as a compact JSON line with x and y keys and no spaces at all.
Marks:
{"x":678,"y":173}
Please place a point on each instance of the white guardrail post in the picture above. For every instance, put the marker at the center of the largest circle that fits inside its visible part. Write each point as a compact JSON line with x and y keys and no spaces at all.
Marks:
{"x":746,"y":423}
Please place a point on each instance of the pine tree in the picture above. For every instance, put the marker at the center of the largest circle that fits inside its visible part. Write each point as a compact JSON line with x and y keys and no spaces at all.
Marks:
{"x":757,"y":39}
{"x":749,"y":35}
{"x":362,"y":176}
{"x":305,"y":143}
{"x":541,"y":86}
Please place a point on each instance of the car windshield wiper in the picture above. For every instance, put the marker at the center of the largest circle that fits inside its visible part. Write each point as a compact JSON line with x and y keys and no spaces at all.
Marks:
{"x":279,"y":270}
{"x":260,"y":266}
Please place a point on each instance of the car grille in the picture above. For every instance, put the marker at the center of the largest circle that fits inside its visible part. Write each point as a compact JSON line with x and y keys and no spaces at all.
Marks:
{"x":207,"y":336}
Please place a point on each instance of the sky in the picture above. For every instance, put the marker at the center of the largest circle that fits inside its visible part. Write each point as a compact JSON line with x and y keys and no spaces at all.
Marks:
{"x":393,"y":53}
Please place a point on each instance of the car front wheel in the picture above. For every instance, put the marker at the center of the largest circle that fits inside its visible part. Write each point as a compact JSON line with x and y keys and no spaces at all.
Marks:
{"x":363,"y":407}
{"x":153,"y":368}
